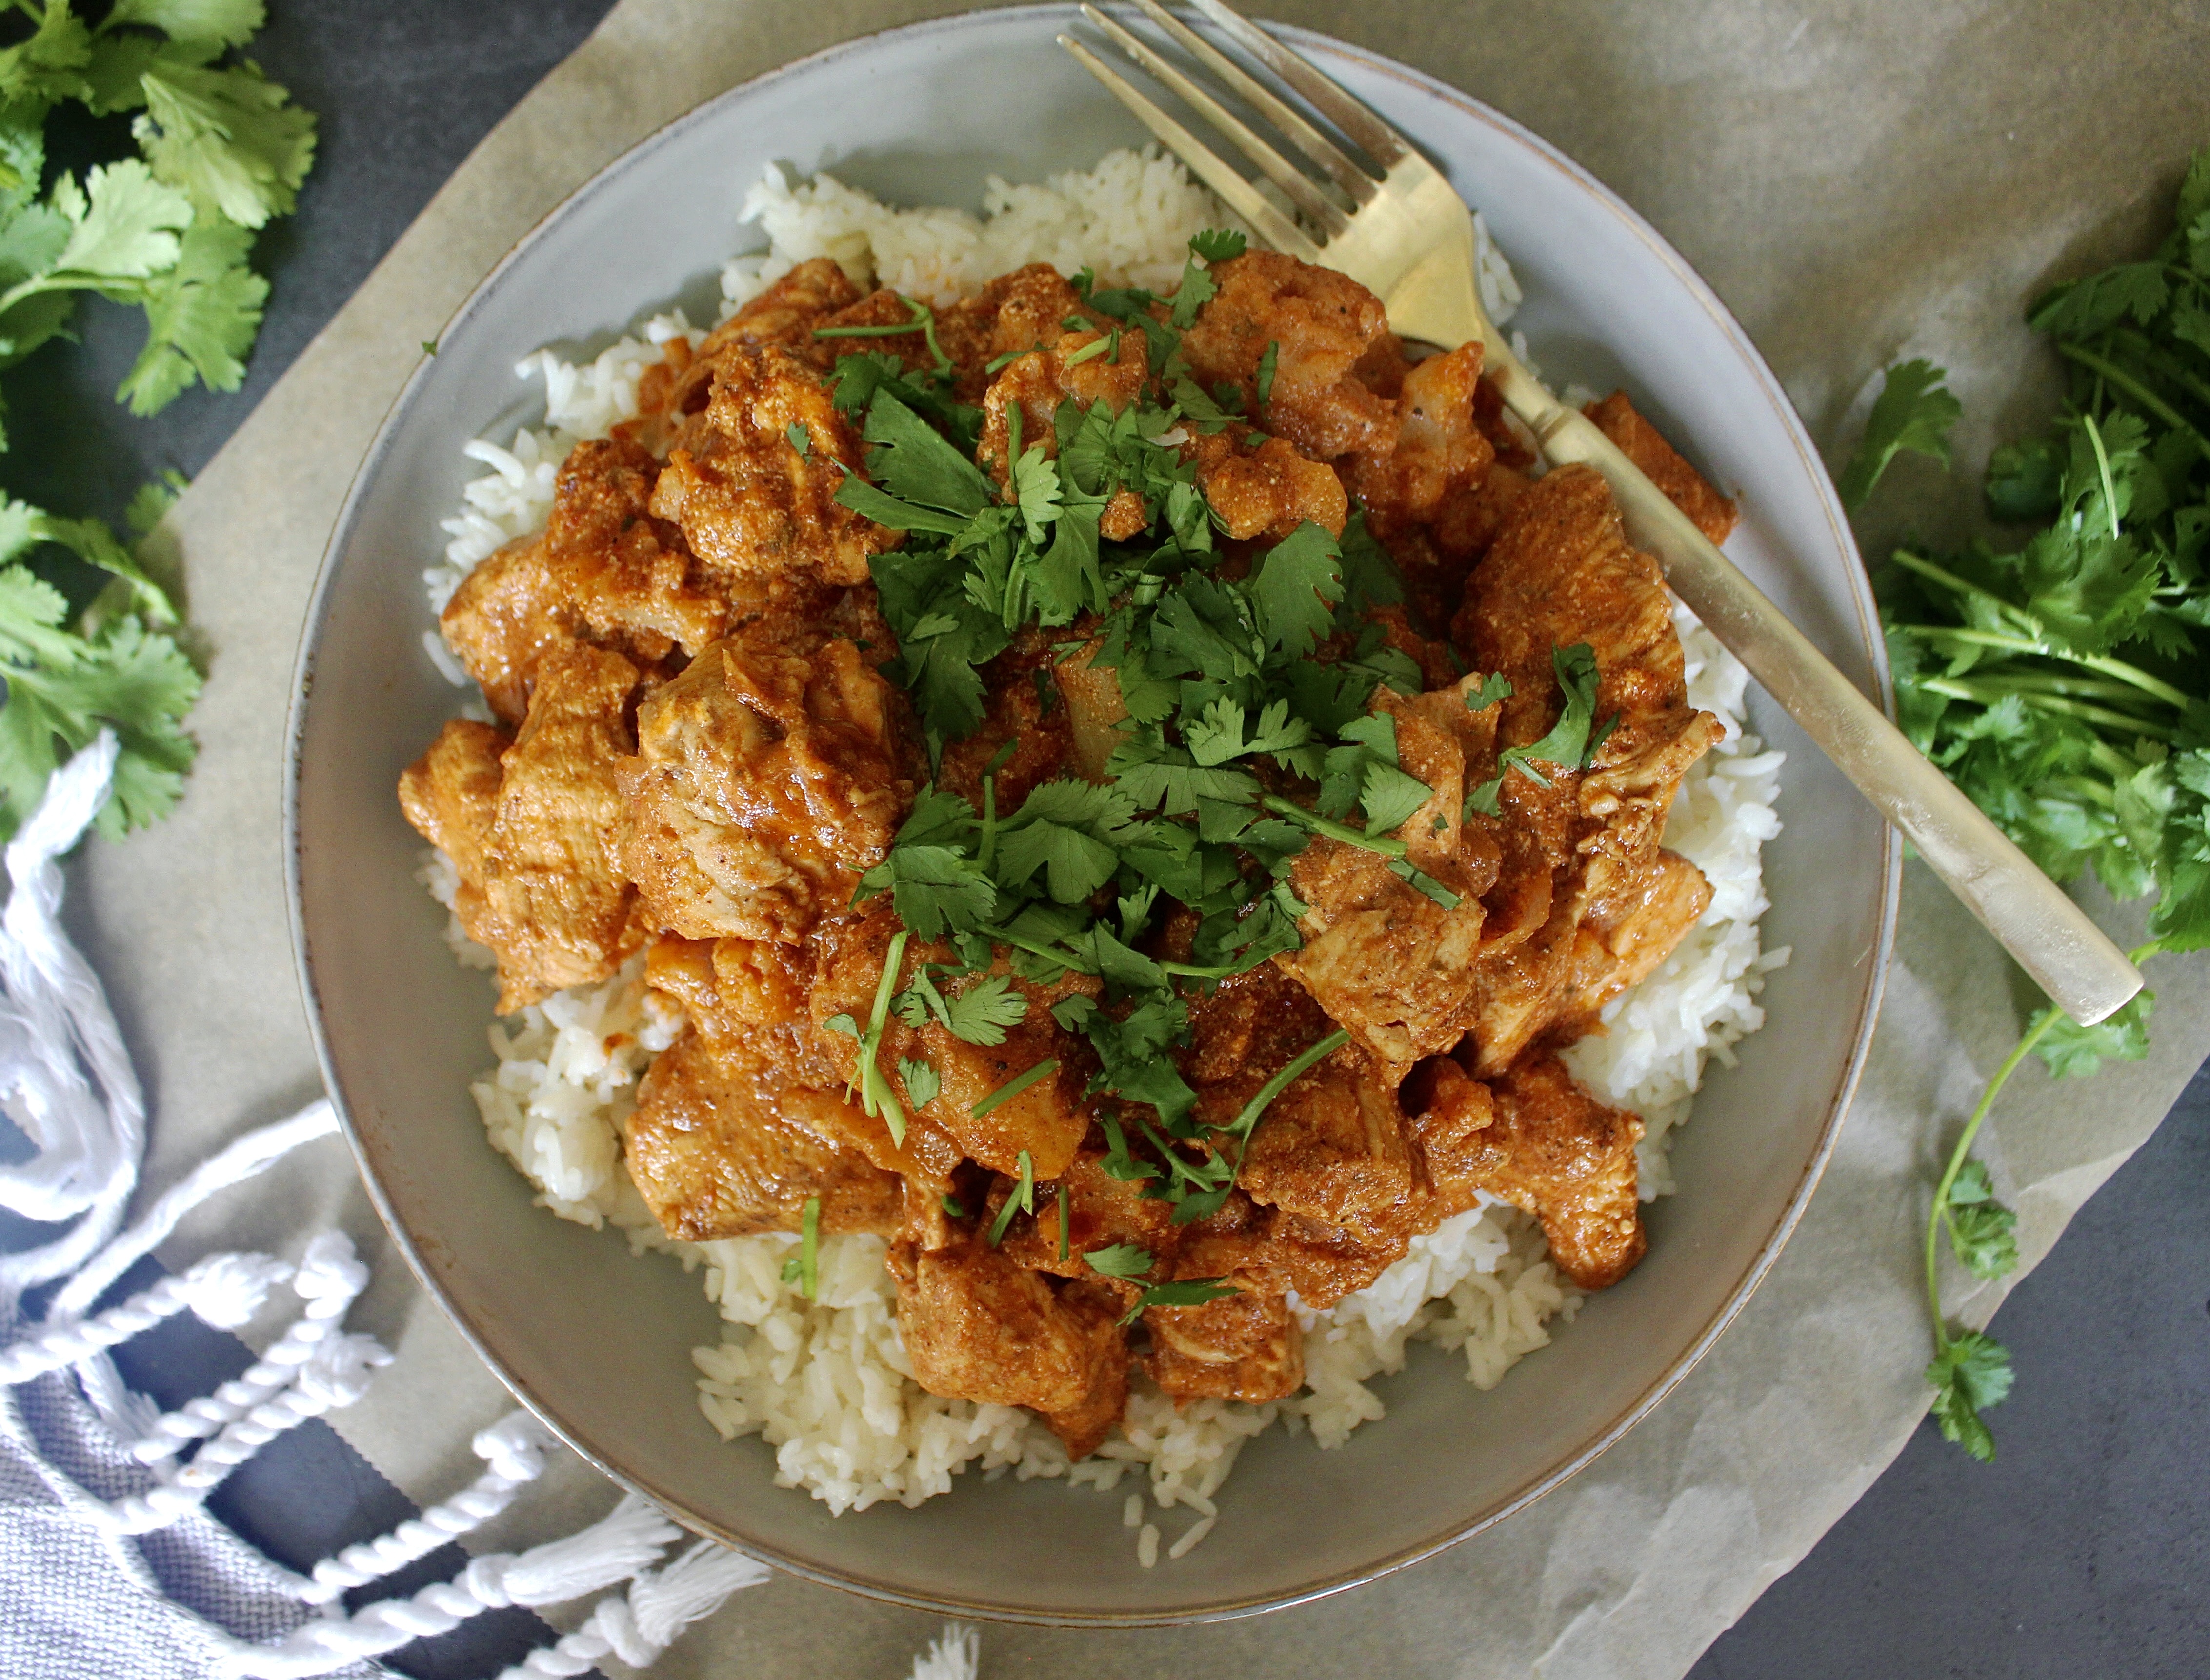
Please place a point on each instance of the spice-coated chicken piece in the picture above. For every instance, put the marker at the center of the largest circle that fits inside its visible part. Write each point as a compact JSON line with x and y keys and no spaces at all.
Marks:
{"x":1330,"y":1144}
{"x":602,"y":570}
{"x":769,"y":777}
{"x":979,"y":1325}
{"x":1011,"y":315}
{"x":787,"y":311}
{"x":1244,"y":1347}
{"x":1439,"y":453}
{"x":1562,"y":572}
{"x":1554,"y":1151}
{"x":1102,"y":1213}
{"x":1047,"y":1117}
{"x":725,"y":1142}
{"x":1066,"y":367}
{"x":1321,"y":324}
{"x":1265,"y":492}
{"x":526,"y":825}
{"x":752,"y":479}
{"x":451,"y":796}
{"x":1665,"y":897}
{"x":1271,"y":1251}
{"x":1711,"y":513}
{"x":1390,"y":960}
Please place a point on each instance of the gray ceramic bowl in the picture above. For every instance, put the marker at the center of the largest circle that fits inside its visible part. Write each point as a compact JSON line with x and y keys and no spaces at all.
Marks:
{"x":598,"y":1342}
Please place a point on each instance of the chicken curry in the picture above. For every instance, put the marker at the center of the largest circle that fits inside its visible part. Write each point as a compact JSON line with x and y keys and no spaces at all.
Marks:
{"x":1131,"y":795}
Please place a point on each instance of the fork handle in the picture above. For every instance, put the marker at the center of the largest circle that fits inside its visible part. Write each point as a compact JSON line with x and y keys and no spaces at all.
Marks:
{"x":2052,"y":939}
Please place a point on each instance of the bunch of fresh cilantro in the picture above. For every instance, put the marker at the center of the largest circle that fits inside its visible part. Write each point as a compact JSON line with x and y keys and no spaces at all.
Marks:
{"x":1246,"y":737}
{"x":220,"y":152}
{"x":2061,"y":681}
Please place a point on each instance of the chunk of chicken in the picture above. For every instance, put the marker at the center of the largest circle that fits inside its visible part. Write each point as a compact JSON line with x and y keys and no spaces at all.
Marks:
{"x":1440,"y":452}
{"x":1047,"y":1118}
{"x":1271,"y":1251}
{"x":769,"y":777}
{"x":1557,"y":1152}
{"x":526,"y":825}
{"x":725,"y":1143}
{"x":1321,"y":324}
{"x":1102,"y":1213}
{"x":1024,"y":709}
{"x":1331,"y":1145}
{"x":978,"y":1325}
{"x":1265,"y":492}
{"x":451,"y":794}
{"x":1011,"y":315}
{"x":1244,"y":1347}
{"x":1067,"y":368}
{"x":1665,"y":897}
{"x":1385,"y":958}
{"x":1687,"y":488}
{"x":788,"y":310}
{"x":749,"y":499}
{"x":1562,"y":572}
{"x":602,"y":570}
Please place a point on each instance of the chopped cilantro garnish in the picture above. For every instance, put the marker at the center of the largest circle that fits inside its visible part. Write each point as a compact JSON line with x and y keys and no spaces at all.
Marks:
{"x":803,"y":1268}
{"x":801,"y":438}
{"x":1022,"y":1197}
{"x":1063,"y":1224}
{"x":1014,"y":1086}
{"x":1265,"y":380}
{"x":1122,"y":1260}
{"x":1182,"y":1292}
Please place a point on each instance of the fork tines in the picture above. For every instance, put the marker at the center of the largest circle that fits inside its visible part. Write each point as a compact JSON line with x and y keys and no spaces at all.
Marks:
{"x":1327,"y":217}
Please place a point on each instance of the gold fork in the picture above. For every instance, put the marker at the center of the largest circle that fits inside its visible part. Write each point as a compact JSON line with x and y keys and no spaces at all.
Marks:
{"x":1408,"y":237}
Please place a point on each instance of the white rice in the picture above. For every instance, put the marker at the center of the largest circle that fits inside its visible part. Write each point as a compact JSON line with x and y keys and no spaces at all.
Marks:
{"x":825,"y":1383}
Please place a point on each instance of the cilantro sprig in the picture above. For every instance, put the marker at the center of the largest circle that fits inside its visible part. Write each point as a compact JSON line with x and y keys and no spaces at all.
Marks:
{"x":220,"y":152}
{"x":2059,"y":679}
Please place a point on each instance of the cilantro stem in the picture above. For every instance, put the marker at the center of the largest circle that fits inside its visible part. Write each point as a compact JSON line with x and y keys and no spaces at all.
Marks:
{"x":1319,"y":824}
{"x":875,"y":1094}
{"x":1062,"y":1225}
{"x":1023,"y":1197}
{"x":1014,"y":1086}
{"x":2103,"y":466}
{"x":1939,"y":1214}
{"x":809,"y":1249}
{"x":923,"y":317}
{"x":2102,"y":367}
{"x":2111,"y":762}
{"x":2132,"y":675}
{"x":1247,"y":1122}
{"x":1987,"y":690}
{"x":1957,"y":1157}
{"x":1949,"y":580}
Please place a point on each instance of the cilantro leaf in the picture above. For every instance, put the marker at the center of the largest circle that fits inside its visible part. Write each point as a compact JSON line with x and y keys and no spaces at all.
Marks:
{"x":202,"y":318}
{"x":227,"y":137}
{"x":1982,"y":1231}
{"x":1296,"y":587}
{"x":1390,"y":796}
{"x":1122,"y":1260}
{"x":912,"y":461}
{"x":1183,"y":1292}
{"x":214,"y":22}
{"x":922,"y":1082}
{"x":1037,"y":491}
{"x":1570,"y":742}
{"x":1268,"y":359}
{"x":1218,"y":245}
{"x":981,"y":1013}
{"x":122,"y":223}
{"x":1971,"y":1374}
{"x":2073,"y":1051}
{"x":1915,"y":412}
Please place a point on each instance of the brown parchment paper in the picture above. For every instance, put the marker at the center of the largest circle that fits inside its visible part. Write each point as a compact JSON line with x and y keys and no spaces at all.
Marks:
{"x":1857,"y":181}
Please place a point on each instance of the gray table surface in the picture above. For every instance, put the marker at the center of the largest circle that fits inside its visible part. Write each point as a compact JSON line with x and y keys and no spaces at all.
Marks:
{"x":2083,"y":1550}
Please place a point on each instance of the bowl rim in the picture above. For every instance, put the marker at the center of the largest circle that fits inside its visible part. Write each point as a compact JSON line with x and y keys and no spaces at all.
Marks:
{"x":672,"y":1500}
